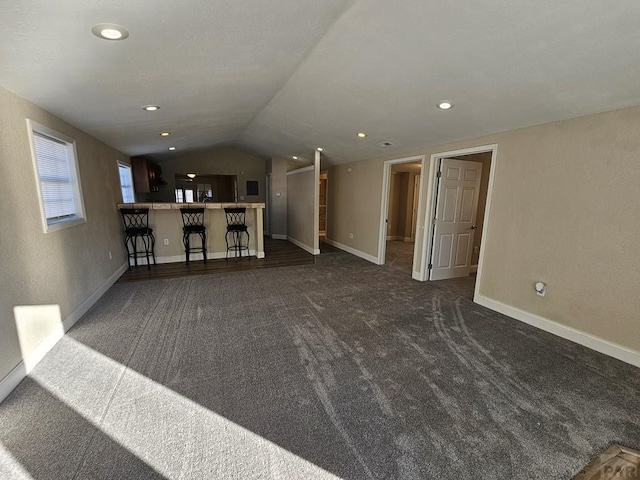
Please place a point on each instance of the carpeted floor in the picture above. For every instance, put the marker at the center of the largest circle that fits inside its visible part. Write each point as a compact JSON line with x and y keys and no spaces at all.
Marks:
{"x":341,"y":368}
{"x":399,"y":255}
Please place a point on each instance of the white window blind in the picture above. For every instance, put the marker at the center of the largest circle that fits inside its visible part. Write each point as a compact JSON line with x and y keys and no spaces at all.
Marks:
{"x":52,"y":158}
{"x":126,"y":183}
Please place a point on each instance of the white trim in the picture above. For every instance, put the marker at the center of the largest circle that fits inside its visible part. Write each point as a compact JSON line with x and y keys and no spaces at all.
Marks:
{"x":20,"y":371}
{"x":407,"y":239}
{"x":74,"y":170}
{"x":12,"y":380}
{"x":260,"y":255}
{"x":384,"y":210}
{"x":598,"y":344}
{"x":353,"y":251}
{"x":278,"y":236}
{"x":316,"y":203}
{"x":393,"y":238}
{"x":310,"y":168}
{"x":303,"y":246}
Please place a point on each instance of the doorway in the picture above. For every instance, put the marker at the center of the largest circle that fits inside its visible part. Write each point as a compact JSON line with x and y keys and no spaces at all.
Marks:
{"x":459,"y":208}
{"x":399,"y":223}
{"x":322,"y":217}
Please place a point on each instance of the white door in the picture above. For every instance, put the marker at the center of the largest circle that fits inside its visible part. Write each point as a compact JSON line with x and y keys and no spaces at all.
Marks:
{"x":455,"y":219}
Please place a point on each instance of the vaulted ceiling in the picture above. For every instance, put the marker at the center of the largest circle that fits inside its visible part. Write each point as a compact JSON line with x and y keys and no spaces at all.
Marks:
{"x":281,"y":77}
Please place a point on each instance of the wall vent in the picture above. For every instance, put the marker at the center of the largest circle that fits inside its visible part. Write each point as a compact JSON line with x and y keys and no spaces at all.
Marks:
{"x":385,"y":144}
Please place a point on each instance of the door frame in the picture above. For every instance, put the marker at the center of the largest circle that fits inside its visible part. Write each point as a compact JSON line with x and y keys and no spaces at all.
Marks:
{"x":414,"y":206}
{"x":384,"y":210}
{"x":431,"y":206}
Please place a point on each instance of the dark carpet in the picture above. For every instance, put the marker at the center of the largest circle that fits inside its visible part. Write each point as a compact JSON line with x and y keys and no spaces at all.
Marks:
{"x":340,"y":368}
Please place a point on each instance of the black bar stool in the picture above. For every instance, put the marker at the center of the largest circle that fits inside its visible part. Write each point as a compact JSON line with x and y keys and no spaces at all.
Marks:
{"x":193,"y":222}
{"x":236,"y":227}
{"x":136,"y":225}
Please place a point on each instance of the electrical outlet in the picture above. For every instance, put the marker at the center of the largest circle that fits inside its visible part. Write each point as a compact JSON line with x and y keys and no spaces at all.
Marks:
{"x":541,"y":289}
{"x":351,"y":235}
{"x":110,"y":256}
{"x":166,"y":241}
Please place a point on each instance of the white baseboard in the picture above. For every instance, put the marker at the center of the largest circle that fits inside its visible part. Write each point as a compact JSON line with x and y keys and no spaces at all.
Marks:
{"x":598,"y":344}
{"x":12,"y":380}
{"x":277,"y":236}
{"x":353,"y":251}
{"x":408,"y":240}
{"x":260,"y":255}
{"x":473,"y":269}
{"x":15,"y":376}
{"x":392,"y":238}
{"x":306,"y":248}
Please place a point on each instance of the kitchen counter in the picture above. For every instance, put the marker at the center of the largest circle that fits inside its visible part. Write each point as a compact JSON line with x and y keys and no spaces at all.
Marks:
{"x":166,"y":221}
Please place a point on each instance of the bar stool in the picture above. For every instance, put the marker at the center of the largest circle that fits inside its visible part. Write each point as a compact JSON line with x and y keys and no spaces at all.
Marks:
{"x":236,"y":227}
{"x":136,"y":225}
{"x":193,"y":222}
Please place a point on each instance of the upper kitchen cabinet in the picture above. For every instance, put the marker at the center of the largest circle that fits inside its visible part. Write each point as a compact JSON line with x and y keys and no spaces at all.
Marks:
{"x":147,"y":175}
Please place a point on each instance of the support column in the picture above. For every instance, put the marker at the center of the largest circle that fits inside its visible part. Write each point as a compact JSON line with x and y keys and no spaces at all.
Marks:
{"x":259,"y":234}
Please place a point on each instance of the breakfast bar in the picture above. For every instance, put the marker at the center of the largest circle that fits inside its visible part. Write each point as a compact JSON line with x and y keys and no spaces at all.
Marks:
{"x":166,"y":221}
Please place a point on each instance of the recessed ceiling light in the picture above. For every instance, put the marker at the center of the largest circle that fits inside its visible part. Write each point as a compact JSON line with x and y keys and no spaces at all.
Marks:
{"x":172,"y":148}
{"x":294,"y":157}
{"x":110,"y":31}
{"x":191,"y":175}
{"x":362,"y":134}
{"x":445,"y":105}
{"x":165,"y":134}
{"x":320,"y":149}
{"x":151,"y":108}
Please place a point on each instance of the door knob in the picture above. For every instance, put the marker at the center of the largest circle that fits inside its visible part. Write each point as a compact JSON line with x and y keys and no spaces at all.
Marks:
{"x":473,"y":227}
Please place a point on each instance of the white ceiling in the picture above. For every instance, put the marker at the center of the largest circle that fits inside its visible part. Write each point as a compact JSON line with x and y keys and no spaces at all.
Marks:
{"x":281,"y":77}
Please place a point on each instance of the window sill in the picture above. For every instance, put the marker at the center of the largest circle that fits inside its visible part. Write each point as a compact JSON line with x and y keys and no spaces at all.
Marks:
{"x":61,"y":225}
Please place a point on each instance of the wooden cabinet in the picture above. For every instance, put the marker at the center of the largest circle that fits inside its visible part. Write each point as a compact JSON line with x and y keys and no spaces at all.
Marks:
{"x":147,"y":175}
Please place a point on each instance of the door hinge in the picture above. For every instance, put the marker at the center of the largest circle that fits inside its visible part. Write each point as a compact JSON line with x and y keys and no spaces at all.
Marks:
{"x":439,"y":174}
{"x":430,"y":266}
{"x":433,"y":222}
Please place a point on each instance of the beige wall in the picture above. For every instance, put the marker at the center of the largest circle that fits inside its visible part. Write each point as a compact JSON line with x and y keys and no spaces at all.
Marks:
{"x":278,"y":203}
{"x":60,"y":268}
{"x":167,"y":224}
{"x":300,"y":207}
{"x":563,"y":211}
{"x":398,"y":199}
{"x":355,"y":191}
{"x":216,"y":161}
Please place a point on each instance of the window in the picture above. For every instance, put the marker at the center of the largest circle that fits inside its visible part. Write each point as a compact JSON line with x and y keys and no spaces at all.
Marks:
{"x":58,"y":180}
{"x":126,"y":183}
{"x":179,"y":195}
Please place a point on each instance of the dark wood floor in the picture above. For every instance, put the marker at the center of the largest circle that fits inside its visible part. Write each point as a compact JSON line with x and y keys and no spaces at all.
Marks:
{"x":278,"y":253}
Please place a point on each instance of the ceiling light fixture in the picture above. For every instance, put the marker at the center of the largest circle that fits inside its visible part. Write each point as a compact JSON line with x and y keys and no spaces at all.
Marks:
{"x":191,"y":175}
{"x":172,"y":148}
{"x":445,"y":105}
{"x":151,"y":108}
{"x":165,"y":134}
{"x":320,"y":149}
{"x":109,"y":31}
{"x":362,"y":134}
{"x":294,"y":157}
